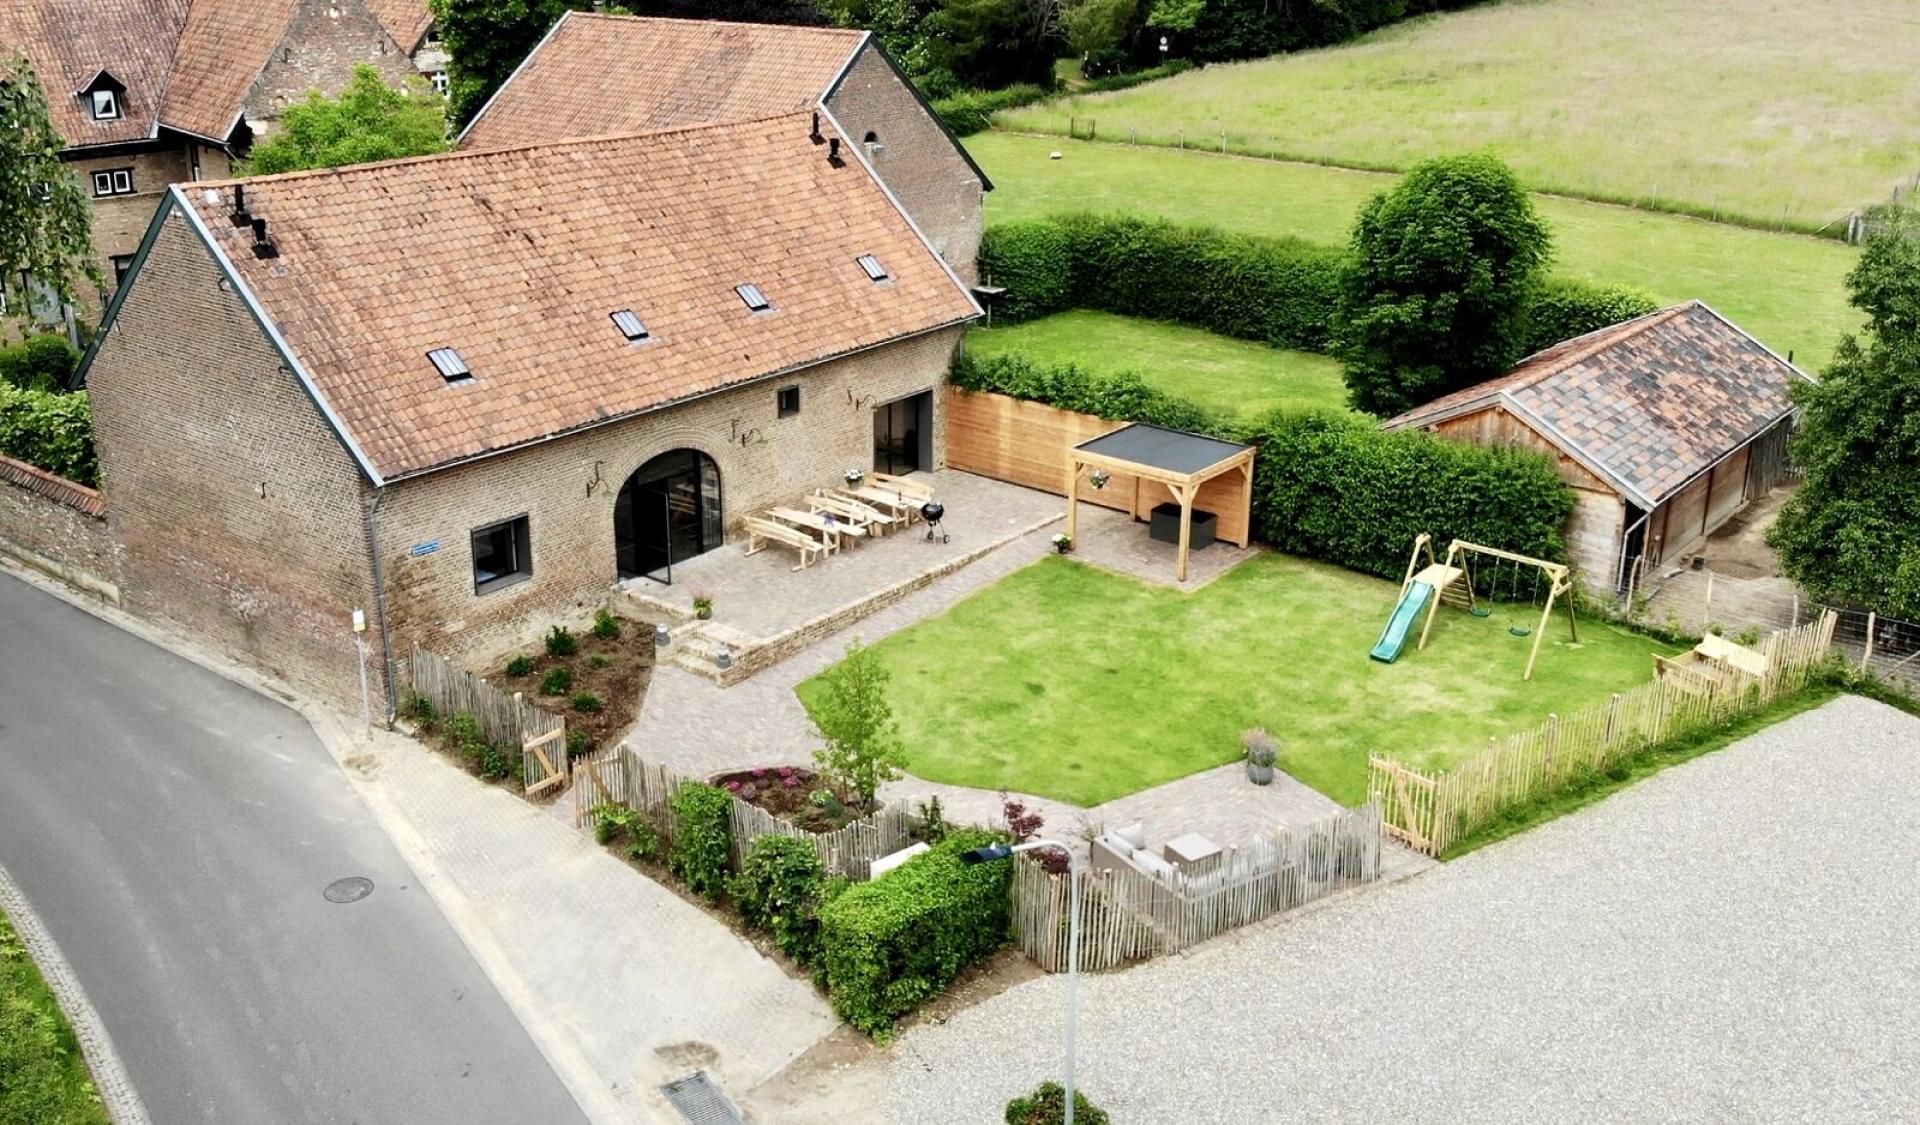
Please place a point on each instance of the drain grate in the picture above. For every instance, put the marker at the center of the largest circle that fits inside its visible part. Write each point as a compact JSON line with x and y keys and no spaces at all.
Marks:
{"x":701,"y":1102}
{"x":351,"y":889}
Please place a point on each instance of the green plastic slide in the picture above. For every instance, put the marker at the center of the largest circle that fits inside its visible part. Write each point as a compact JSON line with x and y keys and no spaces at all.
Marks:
{"x":1394,"y":637}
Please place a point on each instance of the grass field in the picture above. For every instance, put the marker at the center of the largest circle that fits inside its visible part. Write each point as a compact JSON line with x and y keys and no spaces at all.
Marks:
{"x":1786,"y":289}
{"x":1759,"y":108}
{"x":43,"y":1076}
{"x":1238,"y":378}
{"x":1074,"y":683}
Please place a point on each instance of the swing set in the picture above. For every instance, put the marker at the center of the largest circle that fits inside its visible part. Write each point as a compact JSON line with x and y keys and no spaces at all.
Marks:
{"x":1453,"y":582}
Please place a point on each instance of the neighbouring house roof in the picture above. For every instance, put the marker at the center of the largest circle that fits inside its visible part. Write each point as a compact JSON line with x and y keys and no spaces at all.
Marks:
{"x":1175,"y":451}
{"x":407,"y":21}
{"x":1649,"y":404}
{"x":222,"y":50}
{"x":598,"y":74}
{"x":517,"y":259}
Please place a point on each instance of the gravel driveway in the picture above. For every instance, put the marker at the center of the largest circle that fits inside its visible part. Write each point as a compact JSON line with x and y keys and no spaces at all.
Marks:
{"x":1737,"y":938}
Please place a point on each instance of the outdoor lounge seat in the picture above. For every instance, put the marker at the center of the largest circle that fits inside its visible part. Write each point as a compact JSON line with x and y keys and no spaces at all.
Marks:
{"x":761,"y":531}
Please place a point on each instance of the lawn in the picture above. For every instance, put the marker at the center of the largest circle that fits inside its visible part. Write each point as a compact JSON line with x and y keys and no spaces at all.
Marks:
{"x":43,"y":1076}
{"x":1758,"y":108}
{"x":1074,"y":683}
{"x":1786,"y":289}
{"x":1238,"y":378}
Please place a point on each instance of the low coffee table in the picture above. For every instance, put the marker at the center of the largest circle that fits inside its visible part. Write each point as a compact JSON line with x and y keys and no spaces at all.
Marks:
{"x":1191,"y":853}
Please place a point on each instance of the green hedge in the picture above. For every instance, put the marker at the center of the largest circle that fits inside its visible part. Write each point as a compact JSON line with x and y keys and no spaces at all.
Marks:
{"x":1125,"y":396}
{"x":1560,"y":308}
{"x":1281,"y":291}
{"x":41,"y":363}
{"x":888,"y":945}
{"x":971,"y":111}
{"x":49,"y":430}
{"x":1335,"y":487}
{"x":702,"y":838}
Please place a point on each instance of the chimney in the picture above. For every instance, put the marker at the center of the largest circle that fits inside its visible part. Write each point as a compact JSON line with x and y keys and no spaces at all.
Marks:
{"x":815,"y":135}
{"x":241,"y":216}
{"x":261,"y":247}
{"x":833,"y":153}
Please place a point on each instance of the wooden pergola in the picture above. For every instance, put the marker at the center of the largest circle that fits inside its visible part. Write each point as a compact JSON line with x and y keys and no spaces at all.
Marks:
{"x":1181,"y":461}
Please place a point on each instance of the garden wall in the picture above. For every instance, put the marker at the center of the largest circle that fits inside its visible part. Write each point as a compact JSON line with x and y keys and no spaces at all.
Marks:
{"x":54,"y":525}
{"x":1026,"y":443}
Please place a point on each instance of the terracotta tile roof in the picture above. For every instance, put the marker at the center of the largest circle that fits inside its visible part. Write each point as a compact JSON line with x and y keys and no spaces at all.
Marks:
{"x":223,"y":48}
{"x":406,"y":20}
{"x":517,"y":258}
{"x":60,"y":490}
{"x":1651,"y":403}
{"x":600,"y":74}
{"x":69,"y":42}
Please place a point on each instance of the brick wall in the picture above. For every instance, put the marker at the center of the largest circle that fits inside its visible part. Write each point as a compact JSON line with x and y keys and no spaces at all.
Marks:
{"x":239,"y":515}
{"x":57,"y":526}
{"x":324,"y":42}
{"x":915,"y":158}
{"x":567,"y":488}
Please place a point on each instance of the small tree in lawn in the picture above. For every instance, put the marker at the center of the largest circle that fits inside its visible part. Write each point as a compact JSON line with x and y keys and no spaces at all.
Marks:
{"x":1848,"y":534}
{"x":1433,"y":297}
{"x":46,"y":229}
{"x":862,"y":750}
{"x":369,"y":121}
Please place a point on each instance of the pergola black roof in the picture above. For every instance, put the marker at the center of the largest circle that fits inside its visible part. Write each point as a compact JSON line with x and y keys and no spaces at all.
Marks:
{"x":1174,"y":451}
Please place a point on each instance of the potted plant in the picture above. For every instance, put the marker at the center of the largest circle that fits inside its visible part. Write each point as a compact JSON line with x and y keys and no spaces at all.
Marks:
{"x":702,"y":604}
{"x":1062,"y":542}
{"x":853,"y":477}
{"x":1262,"y":751}
{"x":1099,"y":478}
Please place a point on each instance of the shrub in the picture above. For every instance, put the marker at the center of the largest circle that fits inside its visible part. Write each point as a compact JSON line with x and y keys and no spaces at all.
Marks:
{"x":778,"y":890}
{"x":50,"y":431}
{"x":520,"y":666}
{"x":967,"y":112}
{"x":886,"y":946}
{"x":606,"y":626}
{"x":561,"y":641}
{"x":41,"y":363}
{"x":1124,"y":397}
{"x":1047,"y":1105}
{"x":557,"y":681}
{"x":579,"y":742}
{"x":1560,"y":308}
{"x":1336,"y":488}
{"x":611,"y":820}
{"x":587,"y":702}
{"x":597,"y":661}
{"x":702,"y":834}
{"x":643,"y":840}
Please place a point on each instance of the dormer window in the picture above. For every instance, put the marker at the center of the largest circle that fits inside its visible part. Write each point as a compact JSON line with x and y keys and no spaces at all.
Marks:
{"x":103,"y":96}
{"x":756,"y":300}
{"x":450,"y":366}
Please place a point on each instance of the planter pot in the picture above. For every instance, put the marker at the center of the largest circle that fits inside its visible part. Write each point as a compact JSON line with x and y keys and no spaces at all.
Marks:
{"x":1259,"y":775}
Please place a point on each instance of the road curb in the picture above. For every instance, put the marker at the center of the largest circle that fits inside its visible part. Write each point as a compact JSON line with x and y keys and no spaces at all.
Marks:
{"x":110,"y":1078}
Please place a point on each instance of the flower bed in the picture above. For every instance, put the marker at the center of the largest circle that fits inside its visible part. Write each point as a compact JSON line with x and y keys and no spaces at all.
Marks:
{"x":793,"y":793}
{"x":595,"y":676}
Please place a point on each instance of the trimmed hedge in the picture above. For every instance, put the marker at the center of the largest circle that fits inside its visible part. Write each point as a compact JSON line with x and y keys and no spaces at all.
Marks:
{"x":888,"y":945}
{"x":971,"y":111}
{"x":1336,"y":488}
{"x":1560,"y":308}
{"x":1124,"y":396}
{"x":49,"y":430}
{"x":778,"y":890}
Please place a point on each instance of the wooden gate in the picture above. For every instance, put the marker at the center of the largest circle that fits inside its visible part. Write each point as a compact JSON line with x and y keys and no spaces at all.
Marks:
{"x":543,"y":760}
{"x":1408,"y":802}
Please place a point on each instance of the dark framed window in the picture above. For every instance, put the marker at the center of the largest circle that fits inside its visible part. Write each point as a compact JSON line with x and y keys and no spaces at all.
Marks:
{"x":106,"y":105}
{"x":502,"y":554}
{"x":121,"y":264}
{"x":789,"y":401}
{"x":113,"y":181}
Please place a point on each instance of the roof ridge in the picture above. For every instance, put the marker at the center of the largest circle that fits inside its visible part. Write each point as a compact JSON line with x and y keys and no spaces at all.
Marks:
{"x":622,"y":17}
{"x":480,"y":153}
{"x":1602,"y":339}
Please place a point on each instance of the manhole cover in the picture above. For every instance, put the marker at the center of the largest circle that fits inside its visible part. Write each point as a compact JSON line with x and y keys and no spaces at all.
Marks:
{"x":348,"y":890}
{"x":700,"y":1101}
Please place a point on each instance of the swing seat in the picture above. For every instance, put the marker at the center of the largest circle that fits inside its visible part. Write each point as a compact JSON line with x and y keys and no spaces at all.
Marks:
{"x":1480,"y":611}
{"x":1520,"y":630}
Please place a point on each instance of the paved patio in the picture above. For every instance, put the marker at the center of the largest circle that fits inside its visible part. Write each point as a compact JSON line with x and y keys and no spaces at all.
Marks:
{"x":1110,"y":540}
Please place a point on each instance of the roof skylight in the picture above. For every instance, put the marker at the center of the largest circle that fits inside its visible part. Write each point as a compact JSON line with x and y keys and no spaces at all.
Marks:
{"x":756,"y":300}
{"x":875,"y":271}
{"x":451,"y":367}
{"x":630,"y":325}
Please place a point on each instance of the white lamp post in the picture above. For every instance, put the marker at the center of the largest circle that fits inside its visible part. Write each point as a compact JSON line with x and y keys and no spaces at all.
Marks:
{"x":1003,"y":851}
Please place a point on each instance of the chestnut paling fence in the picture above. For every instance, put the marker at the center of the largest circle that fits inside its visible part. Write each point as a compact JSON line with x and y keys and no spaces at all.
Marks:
{"x":617,"y":775}
{"x":1432,"y":811}
{"x":503,"y":716}
{"x":1129,"y":915}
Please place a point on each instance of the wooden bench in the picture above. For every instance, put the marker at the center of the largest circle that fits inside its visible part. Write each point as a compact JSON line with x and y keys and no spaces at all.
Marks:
{"x":917,"y":489}
{"x":873,"y":521}
{"x":817,"y":524}
{"x":898,"y":505}
{"x":761,"y":531}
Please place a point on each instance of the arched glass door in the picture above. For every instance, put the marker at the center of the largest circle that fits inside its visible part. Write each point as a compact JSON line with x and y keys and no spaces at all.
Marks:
{"x":668,"y":511}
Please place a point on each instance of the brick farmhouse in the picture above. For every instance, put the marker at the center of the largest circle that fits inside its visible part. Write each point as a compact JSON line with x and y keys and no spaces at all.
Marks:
{"x":148,"y":93}
{"x":465,"y":394}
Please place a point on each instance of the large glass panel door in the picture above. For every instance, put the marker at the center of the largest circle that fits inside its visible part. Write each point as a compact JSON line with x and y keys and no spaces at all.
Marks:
{"x":668,"y":511}
{"x":899,"y":429}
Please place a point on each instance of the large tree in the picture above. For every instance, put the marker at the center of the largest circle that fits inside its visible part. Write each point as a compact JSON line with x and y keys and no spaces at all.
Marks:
{"x":46,"y":228}
{"x":369,"y":121}
{"x":1849,"y":535}
{"x":485,"y":41}
{"x":1433,"y":297}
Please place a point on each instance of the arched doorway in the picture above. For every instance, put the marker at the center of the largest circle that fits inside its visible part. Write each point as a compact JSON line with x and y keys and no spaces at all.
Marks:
{"x":668,"y":511}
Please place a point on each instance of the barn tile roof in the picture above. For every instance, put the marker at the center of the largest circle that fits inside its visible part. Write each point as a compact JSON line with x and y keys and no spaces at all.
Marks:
{"x":1651,"y":403}
{"x":598,"y":74}
{"x":406,"y":21}
{"x":223,"y":48}
{"x":517,"y":258}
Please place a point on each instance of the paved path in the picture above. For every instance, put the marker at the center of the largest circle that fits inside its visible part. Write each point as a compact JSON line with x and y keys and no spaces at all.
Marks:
{"x":173,"y":832}
{"x":1731,"y":940}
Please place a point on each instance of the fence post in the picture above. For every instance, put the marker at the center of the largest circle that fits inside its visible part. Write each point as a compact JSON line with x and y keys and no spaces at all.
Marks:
{"x":1873,"y":619}
{"x":1706,"y":615}
{"x":1553,"y":740}
{"x":1613,"y":721}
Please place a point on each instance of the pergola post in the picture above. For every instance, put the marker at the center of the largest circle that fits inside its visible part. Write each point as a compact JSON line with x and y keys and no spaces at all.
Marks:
{"x":1073,"y":496}
{"x":1184,"y":493}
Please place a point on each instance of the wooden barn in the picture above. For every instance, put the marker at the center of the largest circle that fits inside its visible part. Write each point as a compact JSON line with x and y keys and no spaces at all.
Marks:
{"x":1665,"y":426}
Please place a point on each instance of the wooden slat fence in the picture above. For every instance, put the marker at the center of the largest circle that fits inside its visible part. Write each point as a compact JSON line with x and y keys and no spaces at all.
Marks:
{"x":1128,"y":915}
{"x":1431,"y":811}
{"x":618,"y":775}
{"x":503,"y":716}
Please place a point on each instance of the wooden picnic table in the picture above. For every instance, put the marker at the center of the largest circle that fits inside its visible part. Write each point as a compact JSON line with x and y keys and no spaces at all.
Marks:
{"x":826,"y":527}
{"x":869,"y":519}
{"x":902,"y":506}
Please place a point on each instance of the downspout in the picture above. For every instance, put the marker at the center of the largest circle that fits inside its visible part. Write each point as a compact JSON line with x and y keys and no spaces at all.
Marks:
{"x":380,"y":602}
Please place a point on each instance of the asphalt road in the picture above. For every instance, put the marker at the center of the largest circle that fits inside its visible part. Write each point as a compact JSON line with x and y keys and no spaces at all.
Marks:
{"x":175,"y":833}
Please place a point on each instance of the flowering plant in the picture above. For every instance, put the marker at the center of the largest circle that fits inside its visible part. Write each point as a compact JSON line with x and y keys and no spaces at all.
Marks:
{"x":1062,"y":542}
{"x":854,"y":476}
{"x":1099,"y":478}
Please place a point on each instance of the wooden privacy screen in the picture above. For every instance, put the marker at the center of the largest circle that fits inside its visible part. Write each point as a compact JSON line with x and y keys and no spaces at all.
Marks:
{"x":1026,"y":443}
